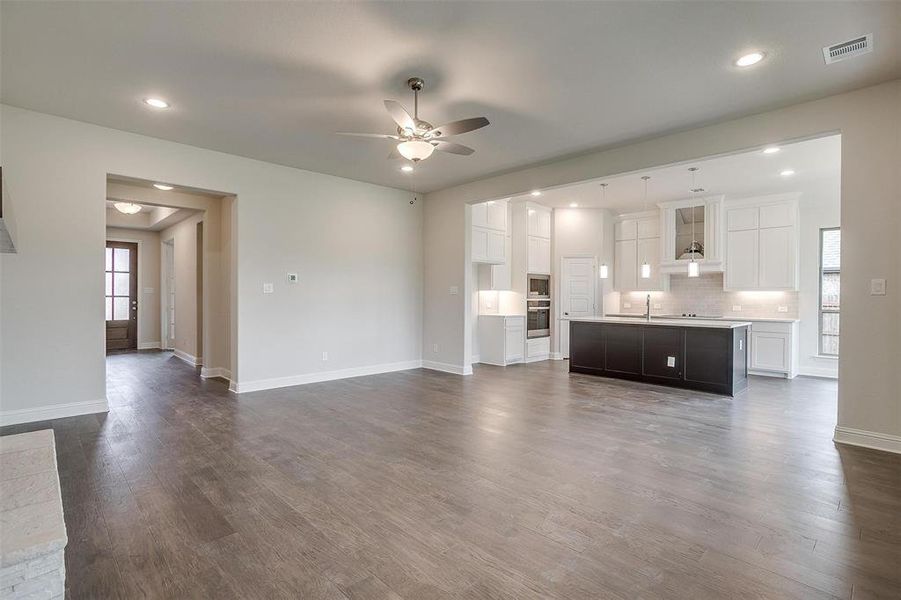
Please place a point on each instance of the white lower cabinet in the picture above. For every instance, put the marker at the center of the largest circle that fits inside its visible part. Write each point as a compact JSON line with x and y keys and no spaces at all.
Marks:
{"x":501,"y":339}
{"x":538,"y":349}
{"x":774,"y":349}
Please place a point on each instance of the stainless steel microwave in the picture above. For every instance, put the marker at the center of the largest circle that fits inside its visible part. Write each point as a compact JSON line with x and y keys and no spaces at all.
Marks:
{"x":539,"y":286}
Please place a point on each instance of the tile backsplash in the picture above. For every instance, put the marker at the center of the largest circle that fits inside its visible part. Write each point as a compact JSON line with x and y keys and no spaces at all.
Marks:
{"x":705,"y":296}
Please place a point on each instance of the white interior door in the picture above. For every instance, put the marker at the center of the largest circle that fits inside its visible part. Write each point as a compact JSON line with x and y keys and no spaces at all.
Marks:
{"x":577,"y":295}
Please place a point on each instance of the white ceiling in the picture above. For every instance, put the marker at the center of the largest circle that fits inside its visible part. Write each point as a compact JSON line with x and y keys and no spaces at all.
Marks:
{"x":275,"y":80}
{"x":736,"y":176}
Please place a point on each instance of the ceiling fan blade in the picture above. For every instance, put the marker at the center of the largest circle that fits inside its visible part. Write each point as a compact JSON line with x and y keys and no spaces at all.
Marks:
{"x":452,"y":147}
{"x":461,"y":126}
{"x":370,"y":135}
{"x":400,"y":115}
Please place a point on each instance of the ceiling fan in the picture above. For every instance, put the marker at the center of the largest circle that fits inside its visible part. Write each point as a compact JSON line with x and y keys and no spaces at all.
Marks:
{"x":417,"y":139}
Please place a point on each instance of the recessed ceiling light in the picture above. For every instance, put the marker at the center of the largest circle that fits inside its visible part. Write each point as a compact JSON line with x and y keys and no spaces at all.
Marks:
{"x":574,"y":205}
{"x":771,"y":149}
{"x":787,"y":173}
{"x":406,"y":168}
{"x":156,"y":102}
{"x":749,"y":59}
{"x":162,"y":186}
{"x":536,"y":192}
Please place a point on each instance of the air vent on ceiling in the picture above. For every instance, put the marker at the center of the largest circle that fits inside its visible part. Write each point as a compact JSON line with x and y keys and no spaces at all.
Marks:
{"x":849,"y":49}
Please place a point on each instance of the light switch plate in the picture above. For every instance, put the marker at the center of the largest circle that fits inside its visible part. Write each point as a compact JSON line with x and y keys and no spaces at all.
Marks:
{"x":148,"y":290}
{"x":454,"y":290}
{"x":782,"y":309}
{"x":325,"y":356}
{"x":268,"y":288}
{"x":877,"y":287}
{"x":670,"y":361}
{"x":293,"y":278}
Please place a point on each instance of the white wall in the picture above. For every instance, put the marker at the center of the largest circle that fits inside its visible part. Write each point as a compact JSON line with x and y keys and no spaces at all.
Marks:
{"x":148,"y":278}
{"x":580,"y":232}
{"x":870,"y":123}
{"x":820,"y":207}
{"x":184,"y":237}
{"x":356,"y":246}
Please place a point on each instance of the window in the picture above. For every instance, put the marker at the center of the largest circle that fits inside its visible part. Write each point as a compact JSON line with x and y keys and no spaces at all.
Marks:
{"x":118,"y":283}
{"x":830,"y":287}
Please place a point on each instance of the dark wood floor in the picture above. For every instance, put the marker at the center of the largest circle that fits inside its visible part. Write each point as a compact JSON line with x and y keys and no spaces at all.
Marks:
{"x":524,"y":482}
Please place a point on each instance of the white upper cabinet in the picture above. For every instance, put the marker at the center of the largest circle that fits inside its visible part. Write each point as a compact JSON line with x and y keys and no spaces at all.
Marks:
{"x":762,"y":244}
{"x":539,"y":239}
{"x":637,"y":240}
{"x":539,"y":221}
{"x":489,"y":232}
{"x":691,"y":228}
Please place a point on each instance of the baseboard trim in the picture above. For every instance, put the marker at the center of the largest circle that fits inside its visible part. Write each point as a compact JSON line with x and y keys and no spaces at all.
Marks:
{"x":149,"y":346}
{"x":447,"y":367}
{"x":208,"y":372}
{"x":817,"y":372}
{"x":53,"y":411}
{"x":556,"y":356}
{"x":280,"y":382}
{"x":867,"y":439}
{"x":194,"y":361}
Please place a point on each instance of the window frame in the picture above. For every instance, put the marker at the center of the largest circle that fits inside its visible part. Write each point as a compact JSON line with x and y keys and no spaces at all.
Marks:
{"x":820,"y":310}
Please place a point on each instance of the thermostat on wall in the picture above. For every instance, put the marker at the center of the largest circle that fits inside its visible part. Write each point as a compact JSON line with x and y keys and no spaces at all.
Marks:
{"x":292,"y":278}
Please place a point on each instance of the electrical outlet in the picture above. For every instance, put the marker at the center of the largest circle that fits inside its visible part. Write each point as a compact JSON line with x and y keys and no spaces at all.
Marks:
{"x":736,"y":308}
{"x":292,"y":278}
{"x":268,"y":288}
{"x":877,"y":287}
{"x":782,"y":308}
{"x":325,"y":356}
{"x":627,"y":305}
{"x":434,"y":347}
{"x":658,"y":305}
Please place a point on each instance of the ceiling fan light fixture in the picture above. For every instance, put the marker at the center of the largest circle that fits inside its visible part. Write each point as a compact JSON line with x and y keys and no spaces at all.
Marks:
{"x":407,"y":168}
{"x":127,"y":208}
{"x":415,"y":150}
{"x":162,"y":186}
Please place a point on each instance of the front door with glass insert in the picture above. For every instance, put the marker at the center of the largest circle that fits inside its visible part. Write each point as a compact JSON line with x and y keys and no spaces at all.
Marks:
{"x":121,"y":301}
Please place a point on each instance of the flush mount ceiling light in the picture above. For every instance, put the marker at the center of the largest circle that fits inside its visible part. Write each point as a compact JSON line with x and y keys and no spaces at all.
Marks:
{"x":787,"y":173}
{"x":417,"y":138}
{"x":156,"y":103}
{"x":752,"y":58}
{"x":162,"y":186}
{"x":574,"y":205}
{"x":407,"y":168}
{"x":536,"y":192}
{"x":128,"y":208}
{"x":771,"y":149}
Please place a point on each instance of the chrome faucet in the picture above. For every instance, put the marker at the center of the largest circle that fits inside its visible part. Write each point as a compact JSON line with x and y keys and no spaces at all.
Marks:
{"x":647,"y":314}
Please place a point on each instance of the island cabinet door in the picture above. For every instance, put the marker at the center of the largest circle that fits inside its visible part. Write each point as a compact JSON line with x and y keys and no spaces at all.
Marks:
{"x":708,"y":356}
{"x":622,"y":349}
{"x":663,"y":348}
{"x":586,"y":346}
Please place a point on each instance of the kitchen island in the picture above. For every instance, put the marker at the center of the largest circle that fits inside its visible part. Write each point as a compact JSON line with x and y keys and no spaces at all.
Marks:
{"x":697,"y":354}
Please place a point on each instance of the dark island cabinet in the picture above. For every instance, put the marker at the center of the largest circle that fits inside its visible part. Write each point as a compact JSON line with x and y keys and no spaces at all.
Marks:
{"x":708,"y":359}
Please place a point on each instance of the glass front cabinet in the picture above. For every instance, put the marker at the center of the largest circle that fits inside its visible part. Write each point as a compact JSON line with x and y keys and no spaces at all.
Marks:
{"x":691,"y":228}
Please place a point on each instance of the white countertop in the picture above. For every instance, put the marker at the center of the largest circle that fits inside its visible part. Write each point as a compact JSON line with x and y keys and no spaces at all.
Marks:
{"x":502,"y":315}
{"x":686,"y":322}
{"x":723,"y":318}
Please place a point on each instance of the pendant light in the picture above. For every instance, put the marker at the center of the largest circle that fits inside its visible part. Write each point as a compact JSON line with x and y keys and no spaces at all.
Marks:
{"x":604,"y":271}
{"x":645,"y":266}
{"x":694,"y":269}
